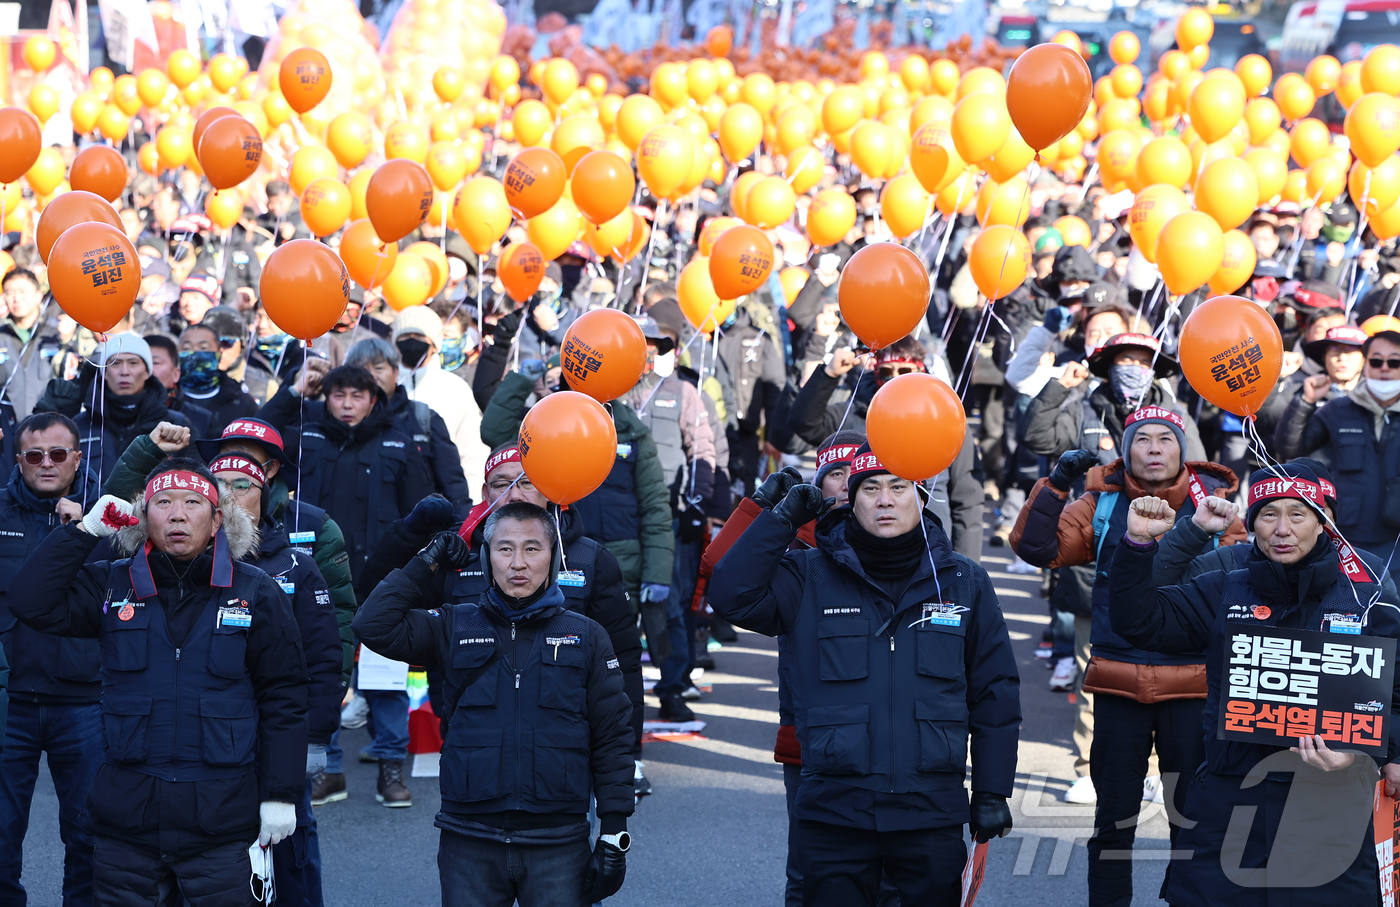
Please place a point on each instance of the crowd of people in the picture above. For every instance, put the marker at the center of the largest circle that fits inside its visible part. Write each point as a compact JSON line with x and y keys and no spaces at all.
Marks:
{"x":208,"y":519}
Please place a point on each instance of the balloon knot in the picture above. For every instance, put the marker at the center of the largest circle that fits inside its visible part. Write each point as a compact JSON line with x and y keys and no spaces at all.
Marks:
{"x":102,"y":337}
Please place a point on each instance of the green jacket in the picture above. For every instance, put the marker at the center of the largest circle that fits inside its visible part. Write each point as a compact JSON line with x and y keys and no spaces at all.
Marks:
{"x":646,"y":559}
{"x":129,"y":477}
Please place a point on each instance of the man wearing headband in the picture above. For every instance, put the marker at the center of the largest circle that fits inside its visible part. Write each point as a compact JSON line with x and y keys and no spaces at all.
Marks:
{"x":1293,"y":579}
{"x":204,"y":685}
{"x":591,"y":579}
{"x":535,"y":718}
{"x":1358,"y":435}
{"x":1140,"y":700}
{"x":243,"y":480}
{"x":898,"y":652}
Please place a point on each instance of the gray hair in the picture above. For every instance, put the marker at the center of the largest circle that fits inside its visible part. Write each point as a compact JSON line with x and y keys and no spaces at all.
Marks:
{"x":372,"y":351}
{"x":523,"y":511}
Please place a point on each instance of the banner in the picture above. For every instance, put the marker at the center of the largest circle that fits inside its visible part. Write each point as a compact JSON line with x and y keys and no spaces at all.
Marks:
{"x":1280,"y":685}
{"x":127,"y":23}
{"x":1386,"y":822}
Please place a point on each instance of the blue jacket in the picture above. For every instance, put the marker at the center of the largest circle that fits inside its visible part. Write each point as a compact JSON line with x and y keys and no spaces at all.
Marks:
{"x":885,"y":694}
{"x":42,"y":667}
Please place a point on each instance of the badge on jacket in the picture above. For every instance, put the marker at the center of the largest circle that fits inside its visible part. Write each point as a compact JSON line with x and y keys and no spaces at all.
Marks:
{"x":944,"y":614}
{"x":235,"y":614}
{"x":572,"y":578}
{"x":1343,"y":623}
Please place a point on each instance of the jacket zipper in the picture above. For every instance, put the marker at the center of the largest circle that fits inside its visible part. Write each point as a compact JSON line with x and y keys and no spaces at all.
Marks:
{"x":174,"y":753}
{"x":516,"y":798}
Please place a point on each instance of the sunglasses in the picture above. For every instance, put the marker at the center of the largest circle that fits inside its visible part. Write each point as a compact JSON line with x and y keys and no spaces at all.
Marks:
{"x":228,"y":343}
{"x":56,"y":456}
{"x":894,"y":371}
{"x":1383,"y":363}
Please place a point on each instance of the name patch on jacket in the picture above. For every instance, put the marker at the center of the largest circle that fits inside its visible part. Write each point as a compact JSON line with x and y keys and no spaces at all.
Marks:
{"x":1237,"y":611}
{"x":572,"y":578}
{"x":392,"y":443}
{"x":557,"y":641}
{"x":840,"y":610}
{"x":476,"y":640}
{"x":944,"y":614}
{"x":12,"y":535}
{"x":666,"y":404}
{"x":235,"y":614}
{"x":302,"y":538}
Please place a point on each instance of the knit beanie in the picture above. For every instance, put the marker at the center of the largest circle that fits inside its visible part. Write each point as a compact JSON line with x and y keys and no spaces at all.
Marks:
{"x":1153,"y":415}
{"x":128,"y":343}
{"x":1300,"y":483}
{"x":419,"y":319}
{"x":836,"y":451}
{"x":864,"y":465}
{"x":1324,"y":478}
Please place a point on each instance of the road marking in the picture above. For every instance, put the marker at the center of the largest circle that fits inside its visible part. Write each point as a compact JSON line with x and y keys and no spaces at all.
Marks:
{"x":1028,"y":618}
{"x":1013,"y":593}
{"x":993,"y":559}
{"x":744,"y":650}
{"x":724,"y":748}
{"x":718,"y":710}
{"x":1016,"y":577}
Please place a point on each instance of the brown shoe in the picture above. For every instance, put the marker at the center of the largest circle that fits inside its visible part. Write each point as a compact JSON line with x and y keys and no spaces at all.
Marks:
{"x":392,"y":791}
{"x":327,"y":788}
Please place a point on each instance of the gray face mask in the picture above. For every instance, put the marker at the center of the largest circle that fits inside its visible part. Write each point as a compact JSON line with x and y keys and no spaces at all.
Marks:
{"x":1129,"y":381}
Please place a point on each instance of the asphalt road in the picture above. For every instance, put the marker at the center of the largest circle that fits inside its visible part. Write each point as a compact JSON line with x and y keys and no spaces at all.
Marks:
{"x":714,"y":832}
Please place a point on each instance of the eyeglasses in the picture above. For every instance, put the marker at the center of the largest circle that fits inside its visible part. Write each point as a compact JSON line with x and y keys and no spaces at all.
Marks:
{"x":1383,"y":363}
{"x":228,"y":343}
{"x":55,"y":456}
{"x":242,"y":486}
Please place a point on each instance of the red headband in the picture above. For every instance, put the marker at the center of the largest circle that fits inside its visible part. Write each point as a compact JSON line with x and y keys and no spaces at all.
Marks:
{"x":509,"y":455}
{"x":255,"y":430}
{"x":865,"y":463}
{"x":837,"y":453}
{"x":1273,"y":489}
{"x":182,"y":481}
{"x":1155,"y":412}
{"x":237,"y":463}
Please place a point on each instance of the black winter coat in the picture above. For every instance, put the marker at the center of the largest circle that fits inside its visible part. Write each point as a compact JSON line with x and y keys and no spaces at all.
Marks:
{"x":104,"y":434}
{"x":209,"y":417}
{"x":435,"y":446}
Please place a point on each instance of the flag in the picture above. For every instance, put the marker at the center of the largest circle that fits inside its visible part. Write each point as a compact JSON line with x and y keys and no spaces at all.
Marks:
{"x":127,"y":23}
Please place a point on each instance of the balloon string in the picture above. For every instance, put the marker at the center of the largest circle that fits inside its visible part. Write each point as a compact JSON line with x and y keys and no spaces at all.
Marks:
{"x":928,"y":546}
{"x":92,"y":405}
{"x":301,"y":435}
{"x":989,"y":312}
{"x":1150,"y":297}
{"x":642,"y":410}
{"x":855,"y":390}
{"x":33,"y":335}
{"x":1360,"y":232}
{"x":651,"y":243}
{"x":978,"y":334}
{"x":1088,"y":181}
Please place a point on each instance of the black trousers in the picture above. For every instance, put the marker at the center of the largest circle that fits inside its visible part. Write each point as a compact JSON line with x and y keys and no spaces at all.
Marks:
{"x":127,"y":875}
{"x":841,"y":867}
{"x":1126,"y":731}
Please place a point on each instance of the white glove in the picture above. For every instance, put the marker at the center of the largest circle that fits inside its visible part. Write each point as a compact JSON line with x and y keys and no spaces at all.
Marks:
{"x":278,"y":821}
{"x":107,"y":516}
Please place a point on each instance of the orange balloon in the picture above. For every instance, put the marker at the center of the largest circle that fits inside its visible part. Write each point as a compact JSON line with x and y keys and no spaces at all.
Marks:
{"x":1074,"y":231}
{"x":229,"y":152}
{"x":350,"y":138}
{"x":325,"y":206}
{"x":398,"y":198}
{"x":905,"y":205}
{"x":148,"y":159}
{"x":304,"y":288}
{"x":446,"y":165}
{"x":125,"y":96}
{"x":151,"y":85}
{"x":916,"y":425}
{"x":1004,"y":203}
{"x":613,"y":237}
{"x":39,"y":53}
{"x":1236,"y":265}
{"x":719,"y":40}
{"x":1375,"y":189}
{"x":224,"y":72}
{"x":1270,"y":169}
{"x":482,"y":213}
{"x":531,"y":120}
{"x":740,"y":191}
{"x":305,"y":78}
{"x":793,"y":280}
{"x":999,"y":260}
{"x":664,"y":159}
{"x":204,"y":121}
{"x":576,"y":136}
{"x":1216,"y":105}
{"x":1232,"y":352}
{"x":1164,"y":160}
{"x":1011,"y":158}
{"x":1228,"y":190}
{"x":19,"y":141}
{"x":1263,"y":119}
{"x":113,"y":124}
{"x":1255,"y":72}
{"x":554,"y":230}
{"x":1294,"y":96}
{"x":1380,"y":70}
{"x":1194,"y":28}
{"x":933,"y":158}
{"x":1309,"y":140}
{"x":740,"y":130}
{"x":94,"y":274}
{"x":1124,"y":47}
{"x":224,"y":208}
{"x":637,"y":116}
{"x":99,"y":169}
{"x":521,"y":269}
{"x":448,"y":83}
{"x":830,"y":217}
{"x":406,"y":140}
{"x":1295,"y":186}
{"x":1189,"y":252}
{"x":770,"y":202}
{"x":603,"y":355}
{"x":797,"y":127}
{"x":68,"y":210}
{"x":568,"y":445}
{"x":534,"y":182}
{"x":43,"y":102}
{"x":980,"y":126}
{"x":367,"y":259}
{"x":842,"y":109}
{"x":410,"y":282}
{"x":603,"y":186}
{"x":1047,"y":94}
{"x":1326,"y":180}
{"x":1322,"y":74}
{"x":805,"y":168}
{"x":740,"y":261}
{"x":884,"y":293}
{"x":311,"y":163}
{"x":872,"y":144}
{"x":698,"y":300}
{"x":46,"y":173}
{"x":1348,"y":88}
{"x":183,"y":68}
{"x":1373,"y":127}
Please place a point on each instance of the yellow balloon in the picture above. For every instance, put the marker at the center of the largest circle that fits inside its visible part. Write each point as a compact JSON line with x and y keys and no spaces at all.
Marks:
{"x":905,"y":205}
{"x":555,"y":229}
{"x":740,"y":130}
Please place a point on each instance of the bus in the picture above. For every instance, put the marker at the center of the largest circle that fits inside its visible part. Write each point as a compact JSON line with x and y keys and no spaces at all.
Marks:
{"x":1346,"y":29}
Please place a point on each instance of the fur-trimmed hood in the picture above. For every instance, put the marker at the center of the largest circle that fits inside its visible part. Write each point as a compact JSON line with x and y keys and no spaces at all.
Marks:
{"x":239,"y":528}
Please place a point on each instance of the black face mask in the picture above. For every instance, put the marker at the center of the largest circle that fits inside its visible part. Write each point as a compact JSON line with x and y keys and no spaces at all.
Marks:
{"x":414,"y":352}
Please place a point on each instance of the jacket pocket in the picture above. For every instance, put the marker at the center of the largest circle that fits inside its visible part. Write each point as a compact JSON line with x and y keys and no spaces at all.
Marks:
{"x":844,"y":647}
{"x":482,"y":693}
{"x":838,"y":740}
{"x":230,"y":729}
{"x":1350,"y":448}
{"x":561,"y":677}
{"x":562,"y":770}
{"x":941,"y":651}
{"x":228,"y":651}
{"x":942,"y":735}
{"x":125,"y":718}
{"x":124,"y":643}
{"x":78,"y":660}
{"x":477,"y":752}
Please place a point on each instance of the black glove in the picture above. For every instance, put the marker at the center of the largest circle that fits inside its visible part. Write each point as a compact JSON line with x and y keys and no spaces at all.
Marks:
{"x":991,"y":817}
{"x":506,"y":328}
{"x":446,"y":549}
{"x":431,"y":514}
{"x":692,"y":523}
{"x":605,"y":872}
{"x":801,"y":505}
{"x":1072,"y":465}
{"x":1057,"y":319}
{"x":775,"y":487}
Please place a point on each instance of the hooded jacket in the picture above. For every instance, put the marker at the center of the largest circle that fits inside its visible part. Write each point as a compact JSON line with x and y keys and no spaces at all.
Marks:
{"x":1061,"y":419}
{"x":242,"y":742}
{"x":1359,"y":440}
